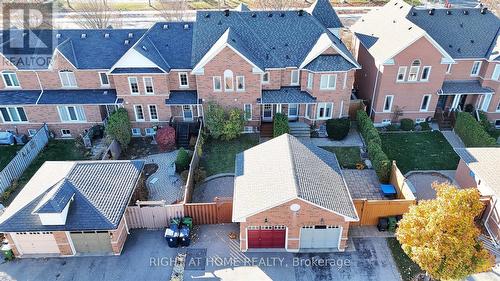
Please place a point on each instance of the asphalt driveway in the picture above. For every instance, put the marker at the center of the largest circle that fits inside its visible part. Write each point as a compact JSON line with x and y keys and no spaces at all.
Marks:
{"x":211,"y":256}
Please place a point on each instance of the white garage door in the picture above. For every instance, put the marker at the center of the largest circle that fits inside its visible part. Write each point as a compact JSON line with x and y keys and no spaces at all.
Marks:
{"x":320,"y":237}
{"x":31,"y":243}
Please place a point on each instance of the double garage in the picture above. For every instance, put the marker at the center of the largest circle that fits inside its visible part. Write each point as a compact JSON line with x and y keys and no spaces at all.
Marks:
{"x":311,"y":237}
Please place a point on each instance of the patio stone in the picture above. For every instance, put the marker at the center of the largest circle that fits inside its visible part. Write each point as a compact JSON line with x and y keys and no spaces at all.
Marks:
{"x":165,"y":184}
{"x":363,"y":184}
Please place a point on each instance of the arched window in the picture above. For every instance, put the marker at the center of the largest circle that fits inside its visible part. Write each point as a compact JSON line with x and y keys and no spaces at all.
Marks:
{"x":228,"y":80}
{"x":414,"y":69}
{"x":67,"y":78}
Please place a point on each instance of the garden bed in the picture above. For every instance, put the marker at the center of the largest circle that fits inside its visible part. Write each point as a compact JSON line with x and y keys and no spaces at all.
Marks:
{"x":219,"y":155}
{"x":7,"y":153}
{"x":348,"y":156}
{"x":407,"y":268}
{"x":139,"y":148}
{"x":420,"y":151}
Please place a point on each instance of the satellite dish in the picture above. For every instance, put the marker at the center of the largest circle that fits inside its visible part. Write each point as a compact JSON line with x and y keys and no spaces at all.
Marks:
{"x":295,"y":207}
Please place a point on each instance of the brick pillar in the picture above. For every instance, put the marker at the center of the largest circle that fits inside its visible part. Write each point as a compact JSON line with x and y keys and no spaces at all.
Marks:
{"x":63,"y":243}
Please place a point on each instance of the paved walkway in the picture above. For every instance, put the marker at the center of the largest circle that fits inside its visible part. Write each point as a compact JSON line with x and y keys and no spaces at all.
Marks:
{"x":165,"y":184}
{"x":422,"y":182}
{"x":352,"y":139}
{"x":453,"y":139}
{"x":218,"y":187}
{"x":368,"y":232}
{"x":363,"y":184}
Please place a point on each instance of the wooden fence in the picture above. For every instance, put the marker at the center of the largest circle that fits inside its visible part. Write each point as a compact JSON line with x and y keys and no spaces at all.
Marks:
{"x":188,"y":190}
{"x":24,"y":157}
{"x":153,"y":215}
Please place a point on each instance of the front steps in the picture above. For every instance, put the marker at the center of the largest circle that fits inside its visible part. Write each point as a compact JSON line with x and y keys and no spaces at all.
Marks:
{"x":299,"y":129}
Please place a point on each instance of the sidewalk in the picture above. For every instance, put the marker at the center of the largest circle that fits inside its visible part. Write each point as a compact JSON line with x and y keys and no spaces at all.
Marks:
{"x":453,"y":139}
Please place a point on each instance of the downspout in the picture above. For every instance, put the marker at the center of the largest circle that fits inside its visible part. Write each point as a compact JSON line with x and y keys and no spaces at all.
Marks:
{"x":374,"y":90}
{"x":41,"y":87}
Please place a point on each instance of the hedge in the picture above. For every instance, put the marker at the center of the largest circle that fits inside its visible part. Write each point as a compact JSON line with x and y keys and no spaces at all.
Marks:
{"x":407,"y":124}
{"x":379,"y":159}
{"x":338,"y":129}
{"x":471,"y":132}
{"x":280,"y":125}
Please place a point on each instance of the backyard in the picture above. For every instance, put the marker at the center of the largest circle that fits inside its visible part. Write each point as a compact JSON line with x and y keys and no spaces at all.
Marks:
{"x":348,"y":156}
{"x":419,"y":151}
{"x":219,"y":155}
{"x":7,"y":152}
{"x":56,"y":150}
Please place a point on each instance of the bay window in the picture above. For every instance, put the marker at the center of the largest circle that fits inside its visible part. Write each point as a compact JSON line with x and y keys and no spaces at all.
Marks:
{"x":328,"y":82}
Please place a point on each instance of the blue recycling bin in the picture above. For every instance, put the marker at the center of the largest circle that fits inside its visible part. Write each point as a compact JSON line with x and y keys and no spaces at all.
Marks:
{"x":184,"y":239}
{"x":172,"y":236}
{"x":388,"y":190}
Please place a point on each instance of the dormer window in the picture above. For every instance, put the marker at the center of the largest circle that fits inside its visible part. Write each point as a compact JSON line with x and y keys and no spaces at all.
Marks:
{"x":10,"y":79}
{"x":67,"y":78}
{"x":414,"y":69}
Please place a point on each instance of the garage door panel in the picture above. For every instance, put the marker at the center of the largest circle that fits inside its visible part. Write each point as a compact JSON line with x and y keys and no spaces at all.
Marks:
{"x":320,"y":237}
{"x":91,"y":242}
{"x":36,"y":243}
{"x":266,"y":238}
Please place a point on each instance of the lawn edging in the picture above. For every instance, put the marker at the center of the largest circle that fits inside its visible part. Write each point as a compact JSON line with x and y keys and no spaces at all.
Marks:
{"x":221,"y":175}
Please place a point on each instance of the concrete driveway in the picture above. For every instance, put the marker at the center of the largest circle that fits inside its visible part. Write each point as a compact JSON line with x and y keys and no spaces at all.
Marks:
{"x":211,"y":256}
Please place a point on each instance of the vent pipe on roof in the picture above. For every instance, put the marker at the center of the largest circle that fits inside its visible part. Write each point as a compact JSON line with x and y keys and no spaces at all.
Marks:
{"x":466,"y":12}
{"x":207,"y":16}
{"x":413,"y":13}
{"x":484,"y":10}
{"x":144,"y":48}
{"x":165,"y":26}
{"x":58,"y":35}
{"x":106,"y":35}
{"x":448,"y":12}
{"x":126,"y":42}
{"x":83,"y":35}
{"x":186,"y":26}
{"x":254,"y":15}
{"x":130,"y":35}
{"x":301,"y":13}
{"x":282,"y":15}
{"x":431,"y":11}
{"x":226,"y":13}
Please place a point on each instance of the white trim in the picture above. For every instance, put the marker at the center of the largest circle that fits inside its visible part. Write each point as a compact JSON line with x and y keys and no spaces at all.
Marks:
{"x":404,"y":74}
{"x":480,"y":64}
{"x":495,"y":76}
{"x":428,"y":73}
{"x":236,"y":80}
{"x":146,"y":88}
{"x":72,"y":246}
{"x":66,"y":135}
{"x":228,"y":73}
{"x":130,"y":85}
{"x":345,"y":81}
{"x":324,"y":104}
{"x":294,"y":83}
{"x":322,"y":44}
{"x":180,"y":81}
{"x":310,"y":80}
{"x":67,"y":74}
{"x":251,"y":111}
{"x":328,"y":78}
{"x":142,"y":111}
{"x":288,"y":110}
{"x":190,"y":110}
{"x":60,"y":53}
{"x":76,"y":109}
{"x":220,"y":83}
{"x":100,"y":79}
{"x":449,"y":68}
{"x":268,"y":77}
{"x":156,"y":109}
{"x":10,"y":73}
{"x":10,"y":115}
{"x":390,"y":105}
{"x":133,"y":59}
{"x":426,"y":109}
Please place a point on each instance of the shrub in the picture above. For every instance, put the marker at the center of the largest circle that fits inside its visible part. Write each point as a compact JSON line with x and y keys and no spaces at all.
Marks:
{"x":215,"y":118}
{"x":182,"y":161}
{"x":338,"y":129}
{"x":392,"y":128}
{"x":165,"y":137}
{"x":425,"y":126}
{"x":280,"y":125}
{"x":234,"y":124}
{"x":407,"y":124}
{"x":118,"y":127}
{"x":471,"y":132}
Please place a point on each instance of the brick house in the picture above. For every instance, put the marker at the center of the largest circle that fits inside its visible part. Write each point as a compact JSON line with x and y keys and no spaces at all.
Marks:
{"x":307,"y":208}
{"x":262,"y":62}
{"x":427,"y":61}
{"x":72,"y":208}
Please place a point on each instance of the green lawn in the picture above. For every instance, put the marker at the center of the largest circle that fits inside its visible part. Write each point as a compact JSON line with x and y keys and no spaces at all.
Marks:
{"x":419,"y":151}
{"x":348,"y":156}
{"x":56,"y":150}
{"x":407,"y":268}
{"x":7,"y":152}
{"x":218,"y":155}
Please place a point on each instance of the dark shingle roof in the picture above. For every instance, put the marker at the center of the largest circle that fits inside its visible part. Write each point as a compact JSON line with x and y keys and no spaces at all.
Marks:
{"x":287,"y":95}
{"x":182,"y":97}
{"x":57,"y":198}
{"x":329,"y":63}
{"x":136,"y":70}
{"x":84,"y":96}
{"x":462,"y":35}
{"x":464,"y":87}
{"x":15,"y":97}
{"x":102,"y":191}
{"x":326,"y":15}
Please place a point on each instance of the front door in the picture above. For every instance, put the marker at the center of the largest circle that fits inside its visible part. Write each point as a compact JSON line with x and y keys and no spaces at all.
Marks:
{"x":293,"y":111}
{"x":267,"y":112}
{"x":187,"y":112}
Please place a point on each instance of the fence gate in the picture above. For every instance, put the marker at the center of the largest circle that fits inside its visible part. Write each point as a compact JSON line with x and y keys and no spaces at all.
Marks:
{"x":220,"y":211}
{"x":152,"y":217}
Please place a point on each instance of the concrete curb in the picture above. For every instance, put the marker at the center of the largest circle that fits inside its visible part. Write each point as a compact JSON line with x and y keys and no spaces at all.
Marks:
{"x":221,"y":175}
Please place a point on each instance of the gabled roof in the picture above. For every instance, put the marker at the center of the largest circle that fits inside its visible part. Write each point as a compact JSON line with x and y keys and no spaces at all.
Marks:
{"x":329,"y":63}
{"x":483,"y":162}
{"x":283,"y":169}
{"x":462,"y":32}
{"x":326,"y":15}
{"x":102,"y":190}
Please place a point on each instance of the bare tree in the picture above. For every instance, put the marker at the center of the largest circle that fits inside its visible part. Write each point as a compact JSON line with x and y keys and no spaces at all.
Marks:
{"x":280,"y":5}
{"x":172,"y":10}
{"x":94,"y":14}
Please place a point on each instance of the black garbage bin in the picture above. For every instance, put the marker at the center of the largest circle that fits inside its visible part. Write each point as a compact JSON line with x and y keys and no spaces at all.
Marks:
{"x":184,"y":239}
{"x":172,"y":236}
{"x":383,"y":224}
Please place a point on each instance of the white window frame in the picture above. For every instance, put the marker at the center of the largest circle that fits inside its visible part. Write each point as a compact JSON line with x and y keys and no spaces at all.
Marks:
{"x":16,"y":108}
{"x":419,"y":120}
{"x":328,"y":78}
{"x":476,"y":68}
{"x":145,"y":85}
{"x":135,"y":113}
{"x":498,"y":107}
{"x":66,"y":135}
{"x":448,"y":68}
{"x":134,"y":130}
{"x":426,"y":109}
{"x":390,"y":105}
{"x":237,"y":83}
{"x":294,"y":74}
{"x":248,"y":118}
{"x":130,"y":85}
{"x":149,"y":131}
{"x":324,"y":104}
{"x":180,"y":80}
{"x":496,"y":73}
{"x":11,"y":74}
{"x":68,"y":74}
{"x":497,"y":126}
{"x":401,"y":69}
{"x":386,"y":121}
{"x":228,"y":74}
{"x":310,"y":80}
{"x":214,"y":78}
{"x":486,"y":101}
{"x":428,"y":73}
{"x":156,"y":111}
{"x":107,"y":78}
{"x":77,"y":109}
{"x":415,"y":69}
{"x":264,"y":81}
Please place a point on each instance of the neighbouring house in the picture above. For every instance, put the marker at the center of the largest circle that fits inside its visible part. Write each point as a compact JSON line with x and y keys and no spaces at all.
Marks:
{"x":479,"y":168}
{"x":292,"y":196}
{"x":262,"y":62}
{"x":424,"y":63}
{"x":72,"y":208}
